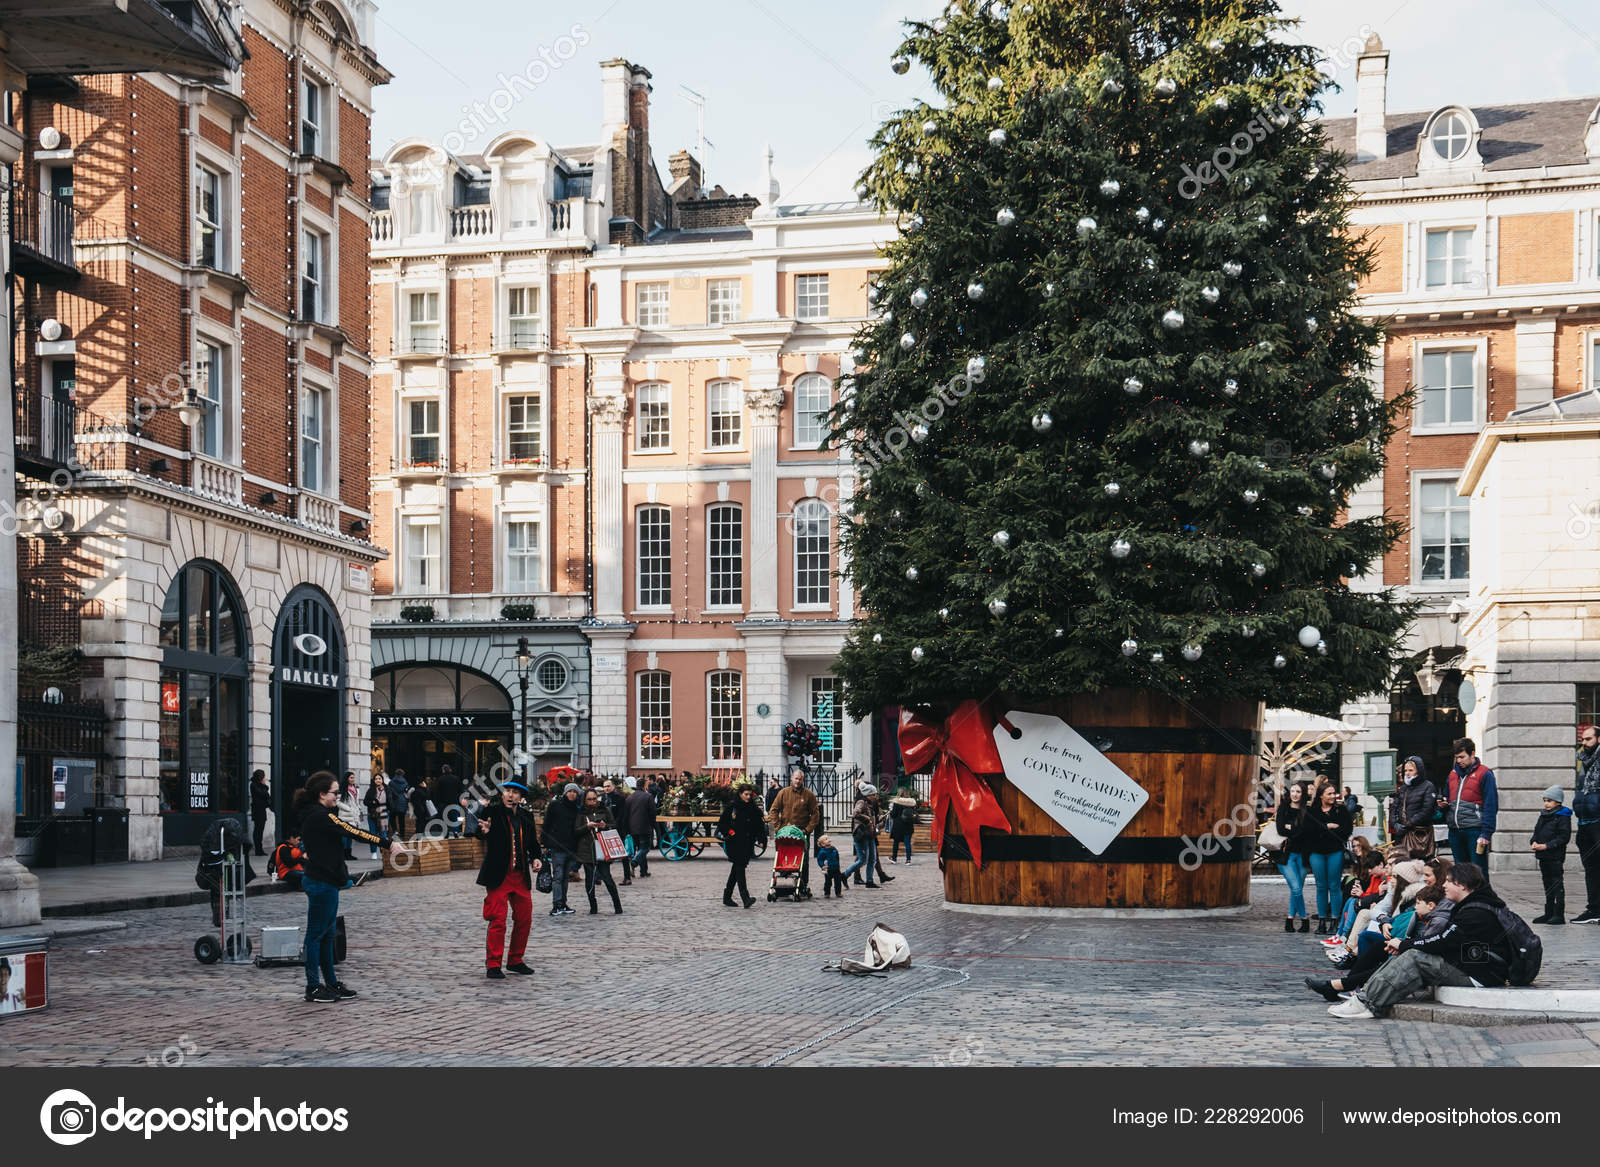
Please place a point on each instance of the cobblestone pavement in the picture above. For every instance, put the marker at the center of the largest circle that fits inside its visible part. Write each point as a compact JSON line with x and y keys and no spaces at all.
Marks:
{"x":678,"y":979}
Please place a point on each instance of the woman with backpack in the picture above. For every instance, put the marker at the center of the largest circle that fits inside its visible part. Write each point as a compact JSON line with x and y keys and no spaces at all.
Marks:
{"x":902,"y":823}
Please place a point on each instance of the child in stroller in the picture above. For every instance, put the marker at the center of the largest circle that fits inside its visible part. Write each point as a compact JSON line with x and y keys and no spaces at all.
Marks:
{"x":786,"y":865}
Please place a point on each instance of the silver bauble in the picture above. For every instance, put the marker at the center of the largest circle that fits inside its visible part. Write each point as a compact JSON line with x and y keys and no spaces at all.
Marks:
{"x":900,"y":64}
{"x":1157,"y":224}
{"x":1121,"y":549}
{"x":1129,"y":647}
{"x":1191,"y":652}
{"x":1110,"y":187}
{"x":1149,"y":263}
{"x":1133,"y":386}
{"x":886,"y":316}
{"x":997,"y":607}
{"x":995,"y":83}
{"x":1328,"y":470}
{"x":919,"y":298}
{"x":1087,"y":227}
{"x":908,"y":341}
{"x":976,"y":367}
{"x":1142,"y":215}
{"x":944,"y":613}
{"x":1111,"y":87}
{"x":1042,"y":423}
{"x":1322,"y":648}
{"x":1199,"y":449}
{"x":1217,"y":46}
{"x":1049,"y":289}
{"x":877,"y":638}
{"x":1232,"y":268}
{"x":1279,"y":661}
{"x":1247,"y":631}
{"x":1251,"y":496}
{"x":1262,"y":219}
{"x":1305,"y":512}
{"x":1221,"y":102}
{"x":919,"y":432}
{"x":1258,"y":569}
{"x":974,"y":290}
{"x":1002,"y":538}
{"x":1210,"y":294}
{"x":1311,"y":323}
{"x":912,"y":574}
{"x":930,"y":127}
{"x":1060,"y":632}
{"x":1113,"y":489}
{"x":1005,"y":216}
{"x":1166,"y":87}
{"x":1157,"y":657}
{"x":1172,"y":320}
{"x":917,"y":653}
{"x":997,"y":137}
{"x":915,"y":222}
{"x":873,"y":293}
{"x":1231,"y":387}
{"x":1308,"y":636}
{"x":922,"y":490}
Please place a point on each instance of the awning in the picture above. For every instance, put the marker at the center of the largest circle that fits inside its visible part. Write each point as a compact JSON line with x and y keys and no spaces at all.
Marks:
{"x":1290,"y":737}
{"x":190,"y":38}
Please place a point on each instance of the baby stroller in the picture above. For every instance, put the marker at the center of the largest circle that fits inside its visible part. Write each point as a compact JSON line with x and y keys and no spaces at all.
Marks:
{"x":786,"y":865}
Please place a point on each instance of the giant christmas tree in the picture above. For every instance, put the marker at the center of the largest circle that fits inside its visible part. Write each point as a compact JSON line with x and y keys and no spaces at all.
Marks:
{"x":1113,"y":399}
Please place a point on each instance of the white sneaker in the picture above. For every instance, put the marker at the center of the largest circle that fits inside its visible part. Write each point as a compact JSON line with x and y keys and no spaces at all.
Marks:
{"x":1354,"y":1009}
{"x":1337,"y":955}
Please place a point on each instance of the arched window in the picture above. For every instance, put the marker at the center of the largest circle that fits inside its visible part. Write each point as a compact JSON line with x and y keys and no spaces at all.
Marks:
{"x":204,"y":683}
{"x":812,"y":559}
{"x":724,"y":556}
{"x":813,"y":394}
{"x":725,"y":716}
{"x":1451,"y":136}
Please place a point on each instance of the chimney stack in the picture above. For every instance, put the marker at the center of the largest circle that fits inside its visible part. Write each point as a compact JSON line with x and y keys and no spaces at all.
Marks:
{"x":686,"y":174}
{"x":771,"y":182}
{"x":1372,"y":91}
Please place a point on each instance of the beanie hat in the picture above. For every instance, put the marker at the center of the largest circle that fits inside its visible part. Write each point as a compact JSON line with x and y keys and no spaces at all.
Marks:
{"x":867,"y":789}
{"x":1556,"y":794}
{"x":571,"y":788}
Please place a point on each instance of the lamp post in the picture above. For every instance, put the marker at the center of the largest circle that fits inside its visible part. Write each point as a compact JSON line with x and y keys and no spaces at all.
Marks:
{"x":524,"y":662}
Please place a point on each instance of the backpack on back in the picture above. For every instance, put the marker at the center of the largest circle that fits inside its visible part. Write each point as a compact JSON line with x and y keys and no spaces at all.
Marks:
{"x":1527,"y":950}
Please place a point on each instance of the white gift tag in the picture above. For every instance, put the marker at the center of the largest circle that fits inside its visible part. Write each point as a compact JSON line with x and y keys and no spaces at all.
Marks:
{"x":1070,"y":780}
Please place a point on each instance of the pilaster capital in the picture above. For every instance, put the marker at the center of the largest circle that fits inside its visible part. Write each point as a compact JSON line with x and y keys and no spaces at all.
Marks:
{"x":764,"y":405}
{"x":608,"y":409}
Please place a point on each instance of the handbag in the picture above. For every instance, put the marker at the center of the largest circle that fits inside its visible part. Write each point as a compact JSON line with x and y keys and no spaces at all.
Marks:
{"x":544,"y":881}
{"x":1418,"y":842}
{"x":610,"y":845}
{"x":1270,"y":838}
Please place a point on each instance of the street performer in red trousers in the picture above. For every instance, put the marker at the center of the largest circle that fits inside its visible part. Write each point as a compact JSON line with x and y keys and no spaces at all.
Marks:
{"x":511,"y":851}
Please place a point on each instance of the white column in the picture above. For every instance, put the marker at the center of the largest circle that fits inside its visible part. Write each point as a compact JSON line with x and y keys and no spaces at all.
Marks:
{"x":608,"y":697}
{"x":19,"y":888}
{"x":763,"y":400}
{"x":766,"y":682}
{"x":608,"y":406}
{"x":1536,"y":361}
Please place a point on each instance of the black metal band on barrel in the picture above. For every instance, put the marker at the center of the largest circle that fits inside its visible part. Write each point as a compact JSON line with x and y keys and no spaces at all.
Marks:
{"x":1161,"y":739}
{"x":1065,"y":849}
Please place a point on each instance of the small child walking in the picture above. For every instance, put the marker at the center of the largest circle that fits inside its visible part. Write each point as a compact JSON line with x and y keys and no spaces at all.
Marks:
{"x":1549,"y":846}
{"x":828,"y":860}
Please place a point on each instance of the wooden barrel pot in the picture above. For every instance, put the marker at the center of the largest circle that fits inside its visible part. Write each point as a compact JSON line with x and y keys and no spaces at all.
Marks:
{"x":1197,"y":759}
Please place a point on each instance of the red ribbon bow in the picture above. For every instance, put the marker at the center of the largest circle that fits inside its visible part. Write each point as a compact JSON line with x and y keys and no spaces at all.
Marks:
{"x":960,"y":748}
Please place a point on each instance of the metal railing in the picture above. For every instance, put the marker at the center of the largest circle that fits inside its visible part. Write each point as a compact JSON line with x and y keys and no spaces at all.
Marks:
{"x":46,"y":227}
{"x":46,"y":428}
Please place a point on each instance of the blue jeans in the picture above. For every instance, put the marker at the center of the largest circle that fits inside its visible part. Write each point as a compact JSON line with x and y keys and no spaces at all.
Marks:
{"x":1347,"y":918}
{"x":322,"y":911}
{"x":1325,"y":869}
{"x":895,"y":852}
{"x":376,"y":827}
{"x":866,"y":856}
{"x":562,"y":864}
{"x":1464,"y":847}
{"x":1293,"y":871}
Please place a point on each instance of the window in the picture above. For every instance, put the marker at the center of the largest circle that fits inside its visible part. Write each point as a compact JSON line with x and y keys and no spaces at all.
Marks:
{"x":655,"y":717}
{"x":421,"y":542}
{"x":1449,"y":387}
{"x":522,"y":317}
{"x":313,"y":409}
{"x":208,"y":216}
{"x":424,"y":333}
{"x":210,"y":372}
{"x":812,"y":398}
{"x":551,"y":674}
{"x":422,"y":432}
{"x":725,"y":717}
{"x":722,"y":301}
{"x":726,"y":405}
{"x":650,"y":304}
{"x":522,"y":200}
{"x":424,"y":206}
{"x":828,"y":716}
{"x":522,"y":556}
{"x":523,"y":435}
{"x":1443,"y":525}
{"x":724,"y":556}
{"x":313,"y":100}
{"x":653,"y":424}
{"x":811,"y":297}
{"x":811,"y":558}
{"x":313,"y":263}
{"x":654,"y":542}
{"x":1594,"y":362}
{"x":1449,"y":257}
{"x":1451,"y":136}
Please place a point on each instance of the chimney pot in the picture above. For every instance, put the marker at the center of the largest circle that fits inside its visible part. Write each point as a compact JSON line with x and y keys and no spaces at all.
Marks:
{"x":1372,"y":86}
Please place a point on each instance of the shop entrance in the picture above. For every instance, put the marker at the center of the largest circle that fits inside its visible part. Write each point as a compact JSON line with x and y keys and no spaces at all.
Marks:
{"x":310,"y":742}
{"x":308,"y":698}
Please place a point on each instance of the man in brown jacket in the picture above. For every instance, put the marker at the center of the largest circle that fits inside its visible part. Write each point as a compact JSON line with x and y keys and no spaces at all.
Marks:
{"x":797,"y":806}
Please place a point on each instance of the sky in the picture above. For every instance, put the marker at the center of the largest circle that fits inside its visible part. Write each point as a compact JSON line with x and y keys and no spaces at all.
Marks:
{"x":812,"y":80}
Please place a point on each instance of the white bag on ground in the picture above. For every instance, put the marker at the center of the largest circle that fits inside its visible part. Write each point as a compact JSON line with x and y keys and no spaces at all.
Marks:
{"x":886,"y":948}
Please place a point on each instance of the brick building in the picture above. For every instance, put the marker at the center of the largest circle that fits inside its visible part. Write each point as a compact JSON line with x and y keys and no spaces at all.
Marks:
{"x":1486,"y":222}
{"x":193,"y":370}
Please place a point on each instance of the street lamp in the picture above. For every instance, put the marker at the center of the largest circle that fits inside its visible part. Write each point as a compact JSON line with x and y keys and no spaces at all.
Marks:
{"x":1429,"y":679}
{"x":524,"y":662}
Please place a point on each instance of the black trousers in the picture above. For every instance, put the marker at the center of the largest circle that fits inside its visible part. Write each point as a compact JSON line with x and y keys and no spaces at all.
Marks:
{"x":641,"y":851}
{"x":736,"y":878}
{"x":1589,"y":854}
{"x":833,"y":881}
{"x":1365,"y":965}
{"x":1555,"y":884}
{"x":590,"y":870}
{"x":260,"y":826}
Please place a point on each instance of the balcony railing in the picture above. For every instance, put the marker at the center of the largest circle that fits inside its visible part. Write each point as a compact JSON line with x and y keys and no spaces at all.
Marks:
{"x":214,"y":480}
{"x":523,"y":460}
{"x":382,"y":226}
{"x":44,"y":231}
{"x":46,"y":428}
{"x":316,"y":511}
{"x":471,"y":223}
{"x":560,"y":216}
{"x":408,"y":345}
{"x":522,"y":338}
{"x":426,"y":466}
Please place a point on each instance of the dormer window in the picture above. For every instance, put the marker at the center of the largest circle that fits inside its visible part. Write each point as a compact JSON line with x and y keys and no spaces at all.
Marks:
{"x":1450,"y":137}
{"x":1450,"y":141}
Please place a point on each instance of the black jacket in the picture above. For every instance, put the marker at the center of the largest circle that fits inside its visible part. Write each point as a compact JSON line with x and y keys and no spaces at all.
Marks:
{"x":1413,"y":805}
{"x":1553,"y":829}
{"x":507,"y":826}
{"x":1473,"y":941}
{"x":561,"y":824}
{"x":615,"y":802}
{"x":742,"y":827}
{"x":1326,"y":832}
{"x":260,"y":799}
{"x":1291,"y":825}
{"x":322,"y":836}
{"x":1586,"y":791}
{"x":639,"y":812}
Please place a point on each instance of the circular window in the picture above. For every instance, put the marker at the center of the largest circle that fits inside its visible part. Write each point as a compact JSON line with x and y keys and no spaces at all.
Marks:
{"x":1451,"y":136}
{"x":552,"y":674}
